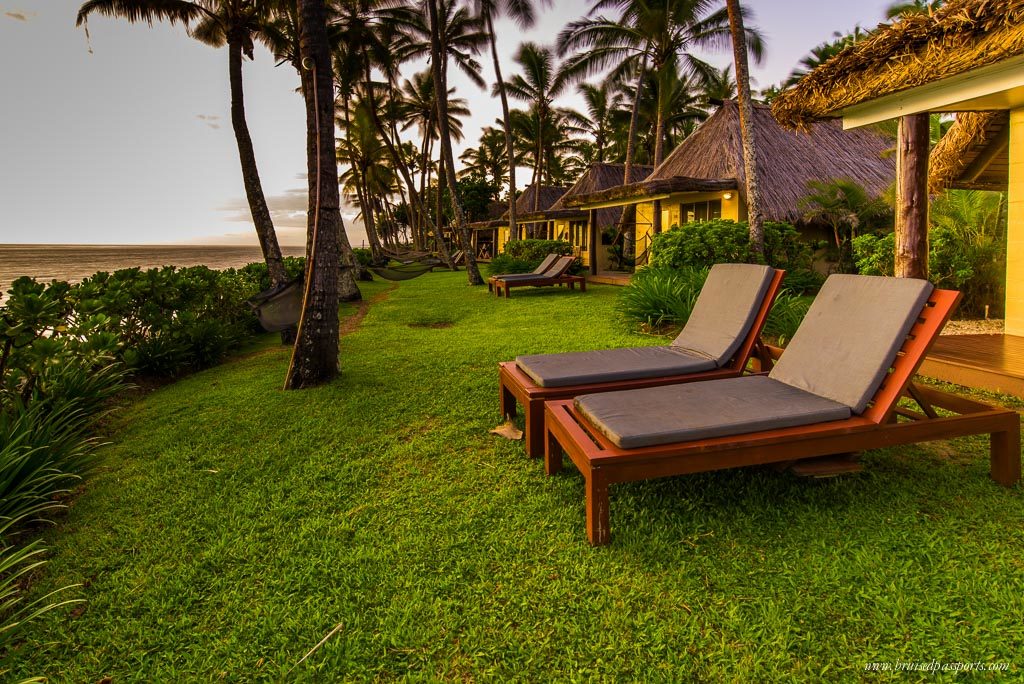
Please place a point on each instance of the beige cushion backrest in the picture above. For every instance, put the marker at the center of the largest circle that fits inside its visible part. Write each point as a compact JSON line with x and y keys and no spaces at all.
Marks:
{"x":725,"y":309}
{"x":546,"y":264}
{"x":850,"y":336}
{"x":559,"y":267}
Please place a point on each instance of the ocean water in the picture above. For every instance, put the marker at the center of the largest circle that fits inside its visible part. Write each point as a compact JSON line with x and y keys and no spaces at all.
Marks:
{"x":76,"y":262}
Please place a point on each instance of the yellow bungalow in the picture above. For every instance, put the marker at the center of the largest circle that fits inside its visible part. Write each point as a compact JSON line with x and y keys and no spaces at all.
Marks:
{"x":703,"y":178}
{"x":490,"y":237}
{"x":966,"y":57}
{"x":572,"y":224}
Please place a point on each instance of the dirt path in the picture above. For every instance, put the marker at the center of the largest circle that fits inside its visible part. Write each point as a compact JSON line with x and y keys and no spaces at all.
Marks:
{"x":351,"y":324}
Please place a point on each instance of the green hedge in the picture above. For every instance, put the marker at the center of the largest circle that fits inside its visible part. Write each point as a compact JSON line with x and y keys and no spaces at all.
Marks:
{"x":705,"y":243}
{"x":522,"y":256}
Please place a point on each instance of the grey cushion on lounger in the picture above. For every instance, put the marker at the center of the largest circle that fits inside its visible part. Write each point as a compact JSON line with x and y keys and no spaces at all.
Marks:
{"x":850,"y":336}
{"x":725,"y":309}
{"x":548,"y":262}
{"x":702,"y":410}
{"x":608,"y":365}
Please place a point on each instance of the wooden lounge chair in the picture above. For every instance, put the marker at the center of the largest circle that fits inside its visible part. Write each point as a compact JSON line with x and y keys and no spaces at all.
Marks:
{"x":557,"y":274}
{"x":544,"y":265}
{"x":829,"y":394}
{"x":717,"y":342}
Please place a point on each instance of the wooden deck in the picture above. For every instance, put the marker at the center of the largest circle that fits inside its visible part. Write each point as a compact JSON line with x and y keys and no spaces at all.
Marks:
{"x":991,"y":362}
{"x":610,"y":278}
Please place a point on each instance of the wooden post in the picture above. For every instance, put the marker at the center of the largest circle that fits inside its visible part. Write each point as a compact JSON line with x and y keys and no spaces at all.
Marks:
{"x":912,"y":149}
{"x":592,"y":241}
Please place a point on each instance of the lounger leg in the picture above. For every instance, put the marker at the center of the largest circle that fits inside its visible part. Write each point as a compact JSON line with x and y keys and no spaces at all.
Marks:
{"x":507,"y":401}
{"x":552,"y":454}
{"x":1005,"y":454}
{"x":583,"y":285}
{"x":534,"y":428}
{"x":597,"y":509}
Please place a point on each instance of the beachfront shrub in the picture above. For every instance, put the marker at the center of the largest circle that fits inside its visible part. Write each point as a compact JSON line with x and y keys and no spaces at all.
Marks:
{"x":658,"y":297}
{"x":661,"y":299}
{"x":522,"y":256}
{"x":705,"y":243}
{"x":974,"y":267}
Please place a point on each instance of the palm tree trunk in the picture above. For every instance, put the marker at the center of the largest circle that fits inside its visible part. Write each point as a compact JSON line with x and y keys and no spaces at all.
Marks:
{"x":250,"y":173}
{"x":739,"y":48}
{"x":441,"y":88}
{"x":629,"y":210}
{"x":508,"y":130}
{"x":315,"y":355}
{"x":403,"y":170}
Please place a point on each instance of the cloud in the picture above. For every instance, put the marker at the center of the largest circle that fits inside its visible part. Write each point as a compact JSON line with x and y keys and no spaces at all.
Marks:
{"x":288,"y":211}
{"x":210,"y":120}
{"x":18,"y":15}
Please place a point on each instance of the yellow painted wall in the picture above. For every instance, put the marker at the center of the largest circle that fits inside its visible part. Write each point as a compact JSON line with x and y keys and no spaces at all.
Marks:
{"x":503,"y":232}
{"x":1015,"y":228}
{"x":562,"y":230}
{"x":730,"y":207}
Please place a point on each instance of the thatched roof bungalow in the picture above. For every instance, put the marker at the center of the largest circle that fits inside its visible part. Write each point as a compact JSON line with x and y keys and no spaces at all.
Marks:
{"x":704,"y":176}
{"x":490,"y":236}
{"x":563,"y":222}
{"x":966,"y":57}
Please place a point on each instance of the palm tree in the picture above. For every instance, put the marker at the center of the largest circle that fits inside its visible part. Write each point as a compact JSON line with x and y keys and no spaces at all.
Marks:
{"x":522,"y":11}
{"x":315,"y":355}
{"x":443,"y":43}
{"x":719,"y":84}
{"x":603,"y":102}
{"x":215,"y":23}
{"x":487,"y":160}
{"x":846,"y":207}
{"x":538,"y":85}
{"x":755,"y":220}
{"x":824,"y":52}
{"x":280,"y":33}
{"x":905,"y":7}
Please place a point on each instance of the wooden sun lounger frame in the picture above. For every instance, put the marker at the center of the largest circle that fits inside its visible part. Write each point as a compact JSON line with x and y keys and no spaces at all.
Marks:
{"x":516,"y":386}
{"x":602,"y":463}
{"x":500,"y":286}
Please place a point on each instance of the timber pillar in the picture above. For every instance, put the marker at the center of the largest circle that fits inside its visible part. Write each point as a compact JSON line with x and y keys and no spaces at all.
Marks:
{"x":1015,"y":228}
{"x":592,"y":238}
{"x":912,"y":149}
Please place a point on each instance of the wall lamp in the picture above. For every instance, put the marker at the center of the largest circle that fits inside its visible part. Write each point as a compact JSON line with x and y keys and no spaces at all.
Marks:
{"x":727,"y":195}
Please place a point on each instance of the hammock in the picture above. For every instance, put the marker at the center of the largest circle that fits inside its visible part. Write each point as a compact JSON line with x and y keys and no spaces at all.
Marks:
{"x":403,"y":271}
{"x":279,"y":307}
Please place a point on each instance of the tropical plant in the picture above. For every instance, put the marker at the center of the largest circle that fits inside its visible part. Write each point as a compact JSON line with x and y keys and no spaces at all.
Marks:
{"x":446,"y":38}
{"x":234,"y":23}
{"x":845,"y":207}
{"x":522,"y":12}
{"x":537,"y":86}
{"x":909,"y":7}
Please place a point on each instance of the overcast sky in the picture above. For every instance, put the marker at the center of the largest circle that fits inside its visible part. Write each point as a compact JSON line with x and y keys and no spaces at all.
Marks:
{"x":132,"y":142}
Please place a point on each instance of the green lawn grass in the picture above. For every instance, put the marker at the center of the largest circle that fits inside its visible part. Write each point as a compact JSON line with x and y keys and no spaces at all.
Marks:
{"x":231,"y":526}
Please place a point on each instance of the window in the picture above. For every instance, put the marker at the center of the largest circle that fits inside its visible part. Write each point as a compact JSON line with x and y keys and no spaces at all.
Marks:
{"x":578,"y":233}
{"x":700,"y":211}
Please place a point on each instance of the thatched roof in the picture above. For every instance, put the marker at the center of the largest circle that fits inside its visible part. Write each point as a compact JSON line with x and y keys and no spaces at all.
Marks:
{"x":974,"y":154}
{"x":600,"y":176}
{"x":918,"y":49}
{"x":548,"y":195}
{"x":711,"y":160}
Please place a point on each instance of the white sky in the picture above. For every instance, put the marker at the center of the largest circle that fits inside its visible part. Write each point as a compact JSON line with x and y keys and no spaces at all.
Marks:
{"x":133,"y":143}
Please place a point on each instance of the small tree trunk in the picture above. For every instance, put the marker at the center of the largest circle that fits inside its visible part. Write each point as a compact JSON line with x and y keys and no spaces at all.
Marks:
{"x":441,"y":88}
{"x":315,"y":355}
{"x":746,"y":107}
{"x":250,"y":173}
{"x":912,"y":150}
{"x":629,"y":211}
{"x":508,"y":133}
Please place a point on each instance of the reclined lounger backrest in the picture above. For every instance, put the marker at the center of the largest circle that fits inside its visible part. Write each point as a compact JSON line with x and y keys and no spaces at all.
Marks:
{"x":725,"y":309}
{"x":546,"y":264}
{"x":850,"y":337}
{"x":558,"y":268}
